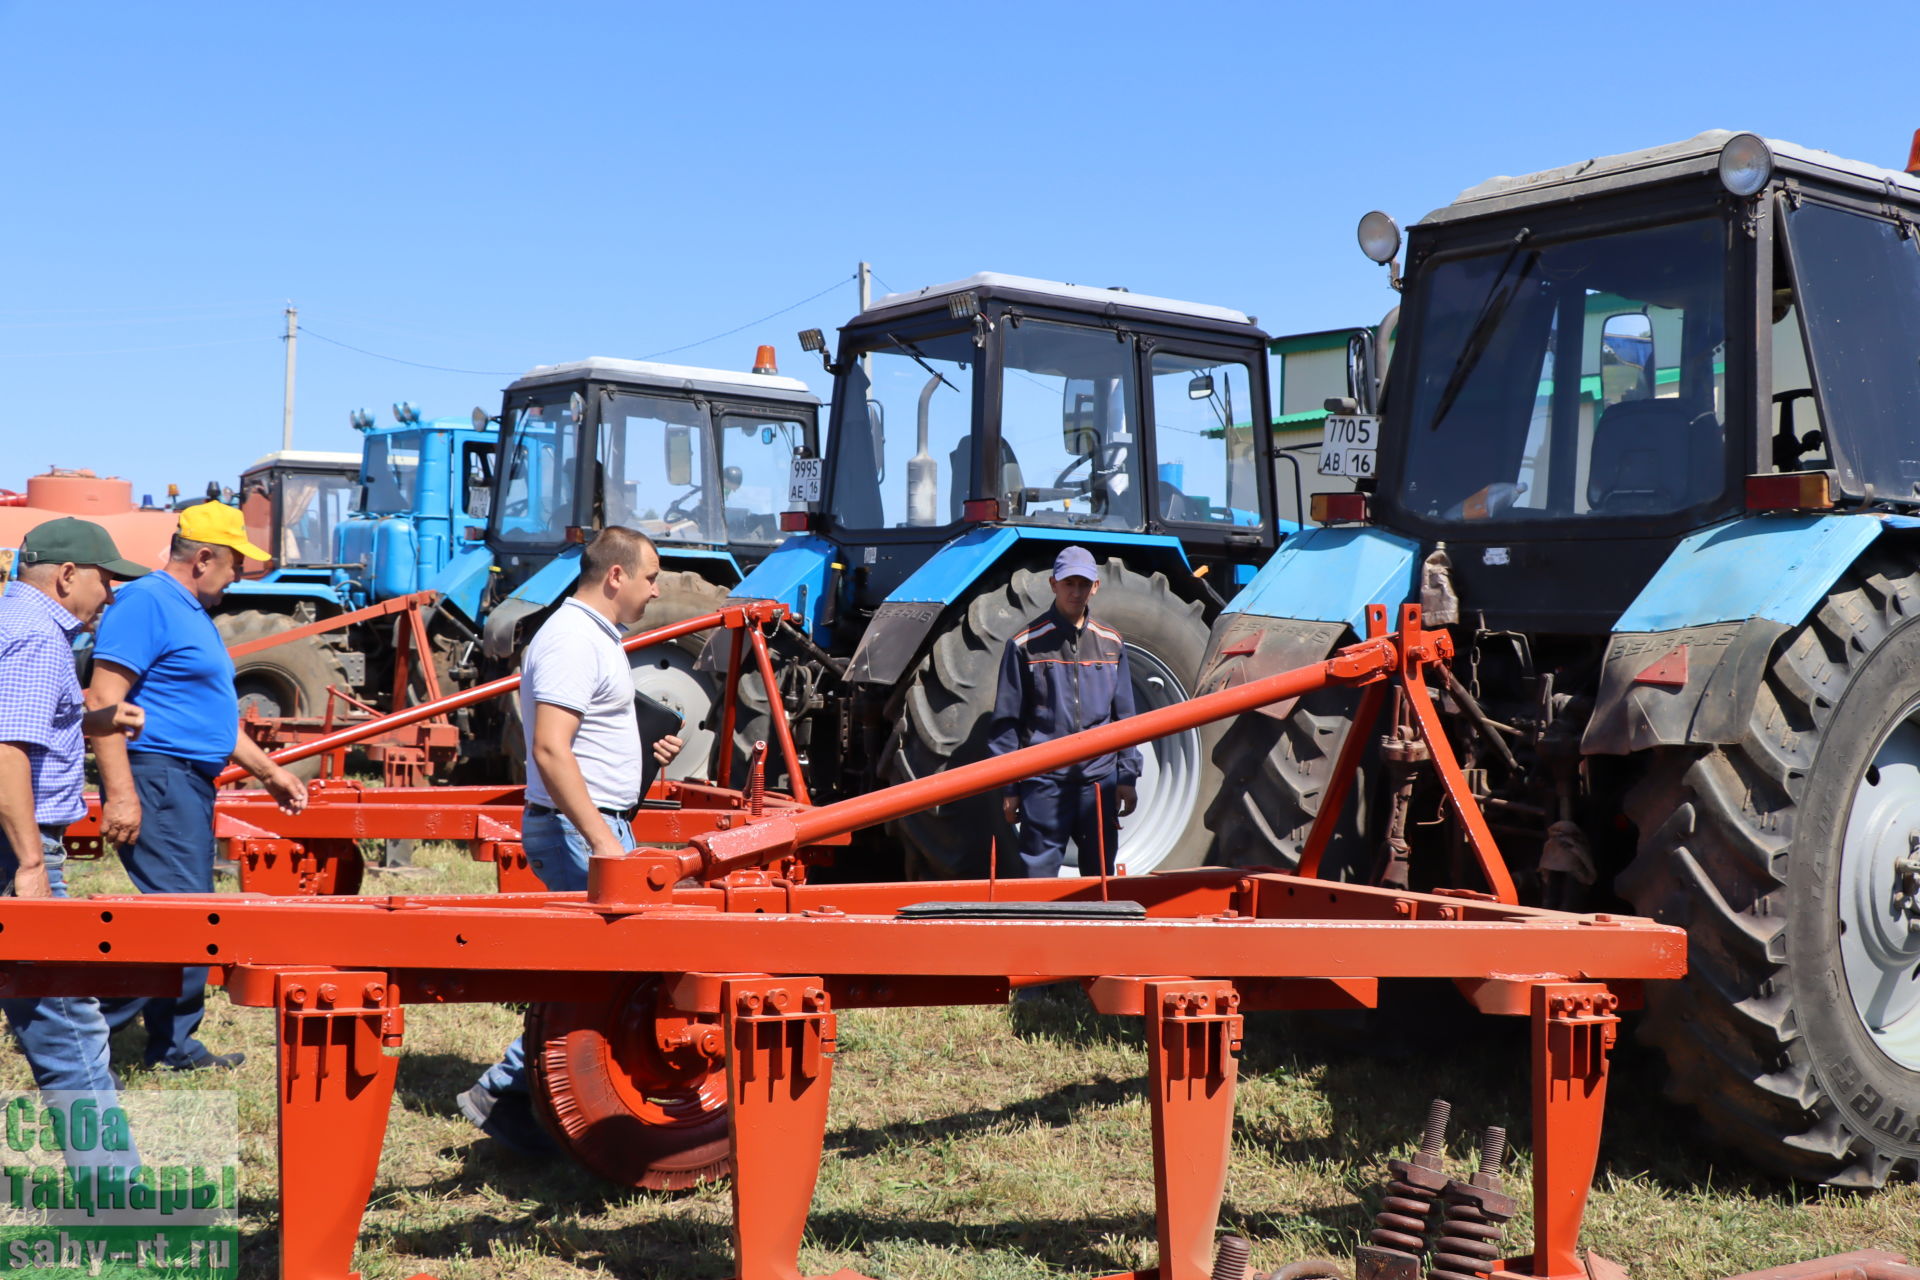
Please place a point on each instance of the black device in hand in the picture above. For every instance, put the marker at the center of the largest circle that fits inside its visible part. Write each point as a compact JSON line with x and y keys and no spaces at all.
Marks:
{"x":657,"y":720}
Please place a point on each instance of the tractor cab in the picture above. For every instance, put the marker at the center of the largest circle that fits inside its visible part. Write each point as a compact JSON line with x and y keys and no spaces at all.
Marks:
{"x":292,"y":500}
{"x":1706,"y":330}
{"x":1093,"y":414}
{"x":697,"y":459}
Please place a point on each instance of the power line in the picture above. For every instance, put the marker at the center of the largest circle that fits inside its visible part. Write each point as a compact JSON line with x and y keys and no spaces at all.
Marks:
{"x":846,"y":280}
{"x":437,"y":368}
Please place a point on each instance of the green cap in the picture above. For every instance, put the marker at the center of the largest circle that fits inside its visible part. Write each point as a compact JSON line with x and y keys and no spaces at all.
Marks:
{"x":71,"y":541}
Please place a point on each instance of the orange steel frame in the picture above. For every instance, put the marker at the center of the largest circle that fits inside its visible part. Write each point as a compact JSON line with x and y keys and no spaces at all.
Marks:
{"x":316,"y":851}
{"x":765,"y":962}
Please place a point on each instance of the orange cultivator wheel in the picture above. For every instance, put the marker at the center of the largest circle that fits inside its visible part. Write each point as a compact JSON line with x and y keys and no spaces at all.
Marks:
{"x":632,"y":1091}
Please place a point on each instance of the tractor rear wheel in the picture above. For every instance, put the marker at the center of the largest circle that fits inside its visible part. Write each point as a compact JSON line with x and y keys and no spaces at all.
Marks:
{"x":666,"y":673}
{"x":949,"y":698}
{"x":286,"y":680}
{"x":1273,"y":774}
{"x":634,"y":1094}
{"x":1790,"y":859}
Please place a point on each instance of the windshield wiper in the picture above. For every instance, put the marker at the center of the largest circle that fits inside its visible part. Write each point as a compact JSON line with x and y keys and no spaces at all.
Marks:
{"x":1481,"y":335}
{"x":920,"y":359}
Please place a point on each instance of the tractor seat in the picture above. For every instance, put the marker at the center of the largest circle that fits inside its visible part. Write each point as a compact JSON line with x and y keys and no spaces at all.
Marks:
{"x":1649,"y":455}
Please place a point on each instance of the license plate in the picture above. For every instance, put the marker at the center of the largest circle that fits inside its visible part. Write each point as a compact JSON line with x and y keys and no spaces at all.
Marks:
{"x":804,"y":484}
{"x":1349,"y":445}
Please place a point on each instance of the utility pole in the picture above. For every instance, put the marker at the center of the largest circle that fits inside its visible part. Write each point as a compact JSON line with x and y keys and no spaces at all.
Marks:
{"x":286,"y":404}
{"x":866,"y":299}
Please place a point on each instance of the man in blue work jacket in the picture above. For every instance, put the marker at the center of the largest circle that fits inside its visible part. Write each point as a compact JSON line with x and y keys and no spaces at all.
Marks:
{"x":1062,"y":673}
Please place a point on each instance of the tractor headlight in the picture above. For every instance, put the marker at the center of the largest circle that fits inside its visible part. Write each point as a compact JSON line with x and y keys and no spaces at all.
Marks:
{"x":1379,"y":237}
{"x":1746,"y":164}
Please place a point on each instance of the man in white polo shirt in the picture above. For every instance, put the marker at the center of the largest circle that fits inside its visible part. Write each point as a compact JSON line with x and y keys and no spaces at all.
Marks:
{"x":583,"y":743}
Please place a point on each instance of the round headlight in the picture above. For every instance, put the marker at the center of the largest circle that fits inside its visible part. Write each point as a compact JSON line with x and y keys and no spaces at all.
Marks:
{"x":1745,"y":164}
{"x":1379,"y":236}
{"x":480,"y":419}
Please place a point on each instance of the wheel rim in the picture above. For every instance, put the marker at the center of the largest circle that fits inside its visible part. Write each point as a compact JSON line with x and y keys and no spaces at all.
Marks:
{"x":1878,"y":907}
{"x":665,"y":673}
{"x":1169,"y":785}
{"x":266,"y":695}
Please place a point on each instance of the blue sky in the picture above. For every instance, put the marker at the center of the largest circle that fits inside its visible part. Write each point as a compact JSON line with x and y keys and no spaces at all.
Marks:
{"x":488,"y":186}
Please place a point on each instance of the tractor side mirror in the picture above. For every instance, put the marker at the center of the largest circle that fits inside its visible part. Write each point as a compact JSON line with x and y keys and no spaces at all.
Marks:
{"x":1626,"y":358}
{"x":1079,"y":423}
{"x":680,"y":456}
{"x":1200,"y":386}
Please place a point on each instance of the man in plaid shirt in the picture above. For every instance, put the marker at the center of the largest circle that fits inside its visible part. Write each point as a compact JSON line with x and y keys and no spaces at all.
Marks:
{"x":65,"y":578}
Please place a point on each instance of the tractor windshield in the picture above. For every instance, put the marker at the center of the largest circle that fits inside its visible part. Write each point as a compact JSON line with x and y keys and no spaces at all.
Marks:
{"x":1069,"y":427}
{"x":656,"y":457}
{"x":1579,"y":378}
{"x":902,"y":434}
{"x":537,"y":471}
{"x":388,"y":470}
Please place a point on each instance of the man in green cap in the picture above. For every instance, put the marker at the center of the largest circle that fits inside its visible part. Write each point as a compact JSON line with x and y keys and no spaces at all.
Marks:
{"x":63,"y":578}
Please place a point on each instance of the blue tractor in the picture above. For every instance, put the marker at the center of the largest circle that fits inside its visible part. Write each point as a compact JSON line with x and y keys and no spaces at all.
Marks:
{"x":349,"y":532}
{"x":699,"y":459}
{"x":1648,"y":447}
{"x":977,"y":428}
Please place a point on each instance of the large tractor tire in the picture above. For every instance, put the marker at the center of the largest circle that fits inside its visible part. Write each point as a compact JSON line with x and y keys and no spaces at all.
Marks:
{"x":625,"y":1100}
{"x":1273,"y":774}
{"x":1789,"y":859}
{"x":949,"y":697}
{"x":665,"y":672}
{"x":286,"y":680}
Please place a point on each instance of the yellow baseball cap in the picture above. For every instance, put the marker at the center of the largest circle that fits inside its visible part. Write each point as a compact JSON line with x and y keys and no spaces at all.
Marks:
{"x":221,"y":525}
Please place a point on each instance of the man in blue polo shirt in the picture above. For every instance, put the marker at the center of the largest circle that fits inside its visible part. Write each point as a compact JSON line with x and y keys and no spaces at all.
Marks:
{"x":65,"y":577}
{"x":157,"y":647}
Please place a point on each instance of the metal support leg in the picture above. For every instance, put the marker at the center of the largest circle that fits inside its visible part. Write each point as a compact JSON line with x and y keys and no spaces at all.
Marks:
{"x":1193,"y":1055}
{"x":336,"y":1088}
{"x":780,"y":1038}
{"x":1574,"y":1029}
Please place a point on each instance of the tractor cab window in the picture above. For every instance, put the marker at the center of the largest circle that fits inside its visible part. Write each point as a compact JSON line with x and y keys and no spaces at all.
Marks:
{"x":389,"y":470}
{"x":311,"y":504}
{"x":756,"y":462}
{"x":1575,"y":379}
{"x":654,"y":461}
{"x":1206,"y":451}
{"x":1069,"y":428}
{"x":1797,"y":441}
{"x":1857,"y":283}
{"x":904,"y":435}
{"x":476,"y":478}
{"x":537,"y":471}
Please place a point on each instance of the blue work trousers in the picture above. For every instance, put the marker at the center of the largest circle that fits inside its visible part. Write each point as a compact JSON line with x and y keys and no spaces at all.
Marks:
{"x":64,"y":1037}
{"x":558,"y":854}
{"x":173,"y":854}
{"x":1056,"y":808}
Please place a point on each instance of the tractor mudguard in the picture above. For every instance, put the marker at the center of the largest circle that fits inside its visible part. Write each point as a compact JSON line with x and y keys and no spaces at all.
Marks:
{"x":904,"y":620}
{"x":1247,"y":647}
{"x":463,"y":583}
{"x":548,"y":583}
{"x":284,"y":593}
{"x":1332,"y":575}
{"x":703,"y":562}
{"x":797,"y":573}
{"x":1687,"y":657}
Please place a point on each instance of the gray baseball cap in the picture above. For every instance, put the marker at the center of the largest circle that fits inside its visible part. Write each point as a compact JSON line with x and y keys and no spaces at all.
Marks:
{"x":1076,"y":562}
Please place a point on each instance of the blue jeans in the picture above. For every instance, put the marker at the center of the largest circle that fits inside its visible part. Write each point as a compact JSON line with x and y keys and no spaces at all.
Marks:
{"x":558,"y":854}
{"x":64,"y":1037}
{"x":173,"y":854}
{"x":1055,"y":808}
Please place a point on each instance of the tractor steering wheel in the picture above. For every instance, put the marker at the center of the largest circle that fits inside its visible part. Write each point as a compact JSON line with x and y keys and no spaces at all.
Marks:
{"x":677,"y":513}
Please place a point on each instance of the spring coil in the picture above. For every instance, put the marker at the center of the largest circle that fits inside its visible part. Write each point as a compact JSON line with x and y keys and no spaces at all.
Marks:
{"x":1469,"y":1243}
{"x":1402,"y":1221}
{"x":1230,"y":1258}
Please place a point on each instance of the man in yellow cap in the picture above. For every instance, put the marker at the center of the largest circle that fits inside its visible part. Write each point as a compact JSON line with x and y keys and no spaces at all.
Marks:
{"x":158,"y":648}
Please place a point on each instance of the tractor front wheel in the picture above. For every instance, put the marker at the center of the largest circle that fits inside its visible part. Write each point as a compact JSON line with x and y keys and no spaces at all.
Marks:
{"x":284,"y":681}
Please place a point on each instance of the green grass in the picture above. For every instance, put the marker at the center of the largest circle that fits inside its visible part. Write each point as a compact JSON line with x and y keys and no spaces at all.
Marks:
{"x":1011,"y":1143}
